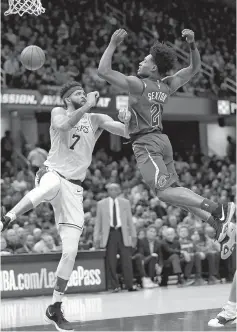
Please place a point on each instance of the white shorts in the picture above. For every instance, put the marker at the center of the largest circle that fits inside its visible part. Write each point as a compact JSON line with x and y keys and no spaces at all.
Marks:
{"x":66,"y":199}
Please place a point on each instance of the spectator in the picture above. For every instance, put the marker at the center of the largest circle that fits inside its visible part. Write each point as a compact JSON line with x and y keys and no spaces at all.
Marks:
{"x":37,"y":157}
{"x":12,"y":241}
{"x":20,"y":232}
{"x":45,"y":245}
{"x":209,"y":253}
{"x":216,"y":51}
{"x":171,"y":252}
{"x":19,"y":184}
{"x":4,"y":251}
{"x":231,"y":149}
{"x":7,"y":146}
{"x":150,"y":250}
{"x":10,"y":36}
{"x":28,"y":247}
{"x":190,"y":257}
{"x":37,"y":233}
{"x":141,"y":234}
{"x":11,"y":66}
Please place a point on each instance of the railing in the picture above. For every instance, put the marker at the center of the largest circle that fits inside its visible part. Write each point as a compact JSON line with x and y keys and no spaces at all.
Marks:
{"x":231,"y":84}
{"x":206,"y":69}
{"x":117,"y":13}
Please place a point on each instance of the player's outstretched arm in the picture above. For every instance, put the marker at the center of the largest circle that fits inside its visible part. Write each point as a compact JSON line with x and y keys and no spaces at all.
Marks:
{"x":131,"y":84}
{"x":60,"y":120}
{"x":185,"y":74}
{"x":105,"y":122}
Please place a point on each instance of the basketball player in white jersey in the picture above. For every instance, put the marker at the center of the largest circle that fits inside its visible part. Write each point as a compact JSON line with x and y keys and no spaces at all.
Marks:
{"x":73,"y":133}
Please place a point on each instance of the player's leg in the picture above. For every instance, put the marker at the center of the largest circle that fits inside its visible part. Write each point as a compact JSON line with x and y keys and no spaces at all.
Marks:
{"x":221,"y":214}
{"x":47,"y":188}
{"x":229,"y":242}
{"x":70,"y":237}
{"x":160,"y":175}
{"x":228,"y":313}
{"x":69,"y":217}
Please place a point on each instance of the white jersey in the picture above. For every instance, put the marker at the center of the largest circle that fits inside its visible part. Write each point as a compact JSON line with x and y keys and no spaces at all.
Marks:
{"x":71,"y":151}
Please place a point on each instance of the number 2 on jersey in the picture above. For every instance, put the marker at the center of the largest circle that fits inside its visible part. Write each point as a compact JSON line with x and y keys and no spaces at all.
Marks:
{"x":155,"y":115}
{"x":75,"y":142}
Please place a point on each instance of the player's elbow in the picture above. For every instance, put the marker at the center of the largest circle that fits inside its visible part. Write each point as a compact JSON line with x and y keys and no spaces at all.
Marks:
{"x":126,"y":135}
{"x":103,"y":72}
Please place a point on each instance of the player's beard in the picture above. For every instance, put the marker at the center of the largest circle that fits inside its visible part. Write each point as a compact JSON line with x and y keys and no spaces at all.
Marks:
{"x":77,"y":105}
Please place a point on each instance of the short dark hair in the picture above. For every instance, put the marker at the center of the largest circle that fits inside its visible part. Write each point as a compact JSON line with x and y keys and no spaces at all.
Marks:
{"x":68,"y":86}
{"x":164,"y":57}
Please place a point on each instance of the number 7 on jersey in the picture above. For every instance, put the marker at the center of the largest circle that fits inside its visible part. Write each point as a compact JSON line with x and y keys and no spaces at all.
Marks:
{"x":75,"y":142}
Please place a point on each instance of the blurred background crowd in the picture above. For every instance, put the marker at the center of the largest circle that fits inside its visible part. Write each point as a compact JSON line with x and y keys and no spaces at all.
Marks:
{"x":35,"y":232}
{"x":75,"y":34}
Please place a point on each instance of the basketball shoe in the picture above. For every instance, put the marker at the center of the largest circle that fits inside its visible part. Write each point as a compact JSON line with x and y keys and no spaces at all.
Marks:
{"x":229,"y":242}
{"x":223,"y":318}
{"x":223,"y":220}
{"x":55,"y":315}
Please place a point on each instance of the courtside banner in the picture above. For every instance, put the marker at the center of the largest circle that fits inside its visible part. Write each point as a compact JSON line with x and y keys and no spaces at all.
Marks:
{"x":30,"y":275}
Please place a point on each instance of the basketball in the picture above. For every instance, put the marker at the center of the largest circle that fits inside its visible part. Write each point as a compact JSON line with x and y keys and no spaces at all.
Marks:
{"x":32,"y":57}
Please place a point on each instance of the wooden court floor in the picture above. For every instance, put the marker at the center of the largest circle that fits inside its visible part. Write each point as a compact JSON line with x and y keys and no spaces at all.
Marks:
{"x":161,"y":309}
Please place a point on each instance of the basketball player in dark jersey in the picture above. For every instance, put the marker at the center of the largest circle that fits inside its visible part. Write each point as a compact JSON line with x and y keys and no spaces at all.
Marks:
{"x":153,"y":151}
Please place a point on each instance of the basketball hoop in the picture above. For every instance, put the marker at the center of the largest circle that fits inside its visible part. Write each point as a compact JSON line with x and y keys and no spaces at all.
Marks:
{"x":25,"y":6}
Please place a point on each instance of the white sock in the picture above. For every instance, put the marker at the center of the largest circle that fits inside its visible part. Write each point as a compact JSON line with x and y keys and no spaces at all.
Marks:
{"x":57,"y":296}
{"x":11,"y":215}
{"x":232,"y":306}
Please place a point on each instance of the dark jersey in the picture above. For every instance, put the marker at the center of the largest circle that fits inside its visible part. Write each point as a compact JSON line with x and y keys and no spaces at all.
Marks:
{"x":147,"y":109}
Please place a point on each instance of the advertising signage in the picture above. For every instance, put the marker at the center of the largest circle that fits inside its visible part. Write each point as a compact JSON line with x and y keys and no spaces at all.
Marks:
{"x":187,"y":107}
{"x":37,"y":277}
{"x":17,"y":99}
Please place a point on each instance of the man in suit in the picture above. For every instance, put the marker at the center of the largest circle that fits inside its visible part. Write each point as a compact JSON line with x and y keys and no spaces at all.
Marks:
{"x":150,"y":249}
{"x":115,"y":231}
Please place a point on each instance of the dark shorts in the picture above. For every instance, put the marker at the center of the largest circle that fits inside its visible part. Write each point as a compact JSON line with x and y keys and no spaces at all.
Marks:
{"x":154,"y":155}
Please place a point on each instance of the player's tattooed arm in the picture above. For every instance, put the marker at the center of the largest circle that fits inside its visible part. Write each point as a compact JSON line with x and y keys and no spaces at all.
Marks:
{"x":105,"y":122}
{"x":60,"y":120}
{"x":184,"y":75}
{"x":131,"y":84}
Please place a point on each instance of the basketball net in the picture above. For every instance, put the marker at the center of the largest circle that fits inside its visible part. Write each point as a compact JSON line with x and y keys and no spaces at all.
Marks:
{"x":25,"y":6}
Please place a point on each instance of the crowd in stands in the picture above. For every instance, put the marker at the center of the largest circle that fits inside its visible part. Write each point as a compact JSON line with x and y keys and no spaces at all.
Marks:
{"x":74,"y":36}
{"x":212,"y":177}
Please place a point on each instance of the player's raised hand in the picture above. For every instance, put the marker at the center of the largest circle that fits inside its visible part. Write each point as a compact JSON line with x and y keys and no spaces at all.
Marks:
{"x":124,"y":115}
{"x":118,"y":36}
{"x":92,"y":98}
{"x":189,"y":34}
